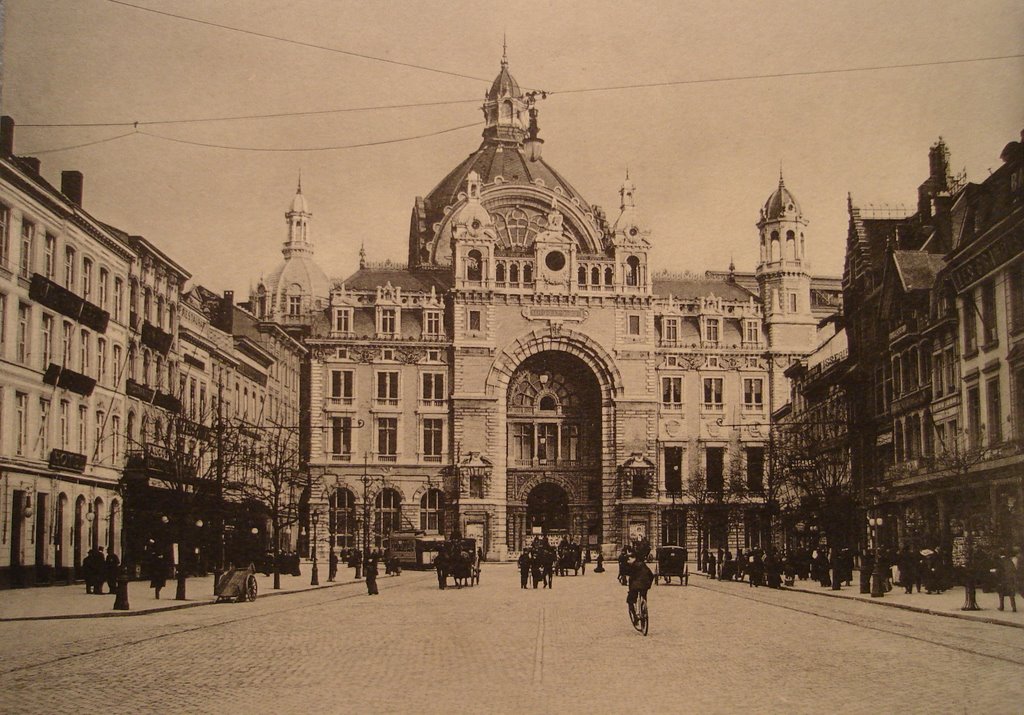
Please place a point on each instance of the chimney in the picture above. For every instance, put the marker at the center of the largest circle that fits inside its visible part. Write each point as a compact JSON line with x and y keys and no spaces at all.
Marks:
{"x":6,"y":136}
{"x":227,"y":312}
{"x":71,"y":185}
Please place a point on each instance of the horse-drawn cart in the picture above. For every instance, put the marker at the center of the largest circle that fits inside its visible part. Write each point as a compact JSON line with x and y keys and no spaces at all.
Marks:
{"x":672,"y":562}
{"x":238,"y":585}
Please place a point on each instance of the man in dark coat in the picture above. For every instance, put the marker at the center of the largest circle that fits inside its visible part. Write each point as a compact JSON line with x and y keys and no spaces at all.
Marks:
{"x":113,"y":565}
{"x":536,"y":565}
{"x":524,"y":568}
{"x":89,"y":569}
{"x":370,"y":571}
{"x":549,"y":567}
{"x":441,"y":566}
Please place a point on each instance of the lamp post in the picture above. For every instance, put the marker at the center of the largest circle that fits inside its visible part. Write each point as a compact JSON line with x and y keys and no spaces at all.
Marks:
{"x":877,"y":586}
{"x":332,"y":516}
{"x":315,"y":518}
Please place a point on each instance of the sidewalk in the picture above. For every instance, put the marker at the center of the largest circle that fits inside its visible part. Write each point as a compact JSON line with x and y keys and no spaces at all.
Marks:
{"x":57,"y":602}
{"x":947,"y":603}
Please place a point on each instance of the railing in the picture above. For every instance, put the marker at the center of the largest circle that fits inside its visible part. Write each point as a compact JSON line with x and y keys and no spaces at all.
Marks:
{"x":340,"y":401}
{"x":387,"y":458}
{"x":341,"y":457}
{"x":548,"y":463}
{"x":433,"y":403}
{"x":386,"y":401}
{"x":433,"y":458}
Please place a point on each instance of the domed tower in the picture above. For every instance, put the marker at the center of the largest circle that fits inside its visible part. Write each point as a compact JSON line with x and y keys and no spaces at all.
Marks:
{"x":298,"y":286}
{"x":783,"y":273}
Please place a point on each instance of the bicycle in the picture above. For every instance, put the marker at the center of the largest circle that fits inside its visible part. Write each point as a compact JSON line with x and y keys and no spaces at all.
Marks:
{"x":638,"y":615}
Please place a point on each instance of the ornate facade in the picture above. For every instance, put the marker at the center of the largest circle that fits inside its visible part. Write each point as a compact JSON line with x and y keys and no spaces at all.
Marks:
{"x":528,"y":372}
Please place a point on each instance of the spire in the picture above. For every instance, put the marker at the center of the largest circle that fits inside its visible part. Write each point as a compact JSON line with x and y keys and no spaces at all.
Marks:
{"x":362,"y":254}
{"x":299,"y":190}
{"x":504,"y":51}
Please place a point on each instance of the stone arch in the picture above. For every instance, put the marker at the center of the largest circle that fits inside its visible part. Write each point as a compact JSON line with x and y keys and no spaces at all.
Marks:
{"x":523,"y":490}
{"x":574,"y":343}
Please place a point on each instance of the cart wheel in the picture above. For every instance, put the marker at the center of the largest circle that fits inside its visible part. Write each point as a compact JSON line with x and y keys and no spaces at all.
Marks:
{"x":251,"y":588}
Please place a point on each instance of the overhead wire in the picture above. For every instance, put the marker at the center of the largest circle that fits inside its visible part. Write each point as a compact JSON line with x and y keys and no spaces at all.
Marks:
{"x":577,"y":90}
{"x":301,"y":43}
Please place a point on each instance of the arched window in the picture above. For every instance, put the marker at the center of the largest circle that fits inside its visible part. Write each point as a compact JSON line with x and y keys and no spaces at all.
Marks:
{"x":595,"y":276}
{"x":513,"y":273}
{"x":113,"y":527}
{"x":898,"y":442}
{"x":582,"y":276}
{"x":432,"y":511}
{"x":774,"y":248}
{"x":76,"y":535}
{"x":129,"y":431}
{"x":60,"y":522}
{"x":387,"y":516}
{"x":97,"y":523}
{"x":146,"y":377}
{"x":505,"y":115}
{"x":609,"y":276}
{"x":342,"y":518}
{"x":527,"y":274}
{"x":548,"y":403}
{"x":632,"y":271}
{"x":791,"y":245}
{"x":474,"y":266}
{"x":499,"y":272}
{"x":803,"y":254}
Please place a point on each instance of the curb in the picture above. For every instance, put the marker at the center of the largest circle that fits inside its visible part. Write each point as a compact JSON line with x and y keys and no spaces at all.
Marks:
{"x":177,"y":607}
{"x":902,"y":606}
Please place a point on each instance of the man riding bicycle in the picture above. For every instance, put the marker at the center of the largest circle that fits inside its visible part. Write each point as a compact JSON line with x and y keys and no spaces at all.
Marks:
{"x":640,"y":580}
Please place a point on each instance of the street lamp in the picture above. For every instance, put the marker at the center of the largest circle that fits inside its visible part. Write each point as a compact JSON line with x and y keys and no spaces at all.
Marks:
{"x":332,"y":516}
{"x":877,"y":587}
{"x":315,"y":518}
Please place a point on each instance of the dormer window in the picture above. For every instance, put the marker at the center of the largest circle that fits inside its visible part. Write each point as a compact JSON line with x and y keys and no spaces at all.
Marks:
{"x":343,"y":320}
{"x":294,"y":305}
{"x":711,"y":330}
{"x":387,"y":321}
{"x":751,"y":331}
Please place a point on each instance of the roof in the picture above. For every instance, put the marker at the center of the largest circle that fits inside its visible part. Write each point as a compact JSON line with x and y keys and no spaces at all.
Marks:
{"x":917,"y":270}
{"x":780,"y":202}
{"x":504,"y":84}
{"x":492,"y":160}
{"x":299,"y":269}
{"x":694,"y":287}
{"x":368,"y":278}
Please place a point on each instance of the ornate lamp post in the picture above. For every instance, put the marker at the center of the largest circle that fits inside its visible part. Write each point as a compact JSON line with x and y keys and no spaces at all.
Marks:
{"x":314,"y":518}
{"x":332,"y":516}
{"x":877,"y":585}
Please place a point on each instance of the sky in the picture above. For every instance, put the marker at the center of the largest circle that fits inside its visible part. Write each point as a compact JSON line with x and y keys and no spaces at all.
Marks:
{"x":704,"y":155}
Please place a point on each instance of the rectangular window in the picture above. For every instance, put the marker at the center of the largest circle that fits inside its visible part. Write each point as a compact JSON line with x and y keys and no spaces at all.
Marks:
{"x":341,"y":435}
{"x":84,"y":353}
{"x":522,"y":442}
{"x":938,"y":375}
{"x":101,"y":361}
{"x":715,"y":468}
{"x":192,"y":401}
{"x":388,"y":321}
{"x":3,"y":322}
{"x":98,"y":436}
{"x":343,"y":320}
{"x":994,"y":426}
{"x":671,"y":391}
{"x":28,"y":237}
{"x":86,"y":278}
{"x":711,"y":330}
{"x":21,"y":423}
{"x":671,"y":330}
{"x":970,"y":320}
{"x":547,"y":442}
{"x":433,"y":323}
{"x":570,"y":442}
{"x":104,"y":287}
{"x":5,"y":236}
{"x":433,"y":386}
{"x":432,"y":444}
{"x":69,"y":268}
{"x":989,"y":328}
{"x":755,"y":469}
{"x":83,"y":429}
{"x":752,"y":331}
{"x":21,"y":347}
{"x":713,"y":393}
{"x":115,"y":439}
{"x":47,"y":340}
{"x":474,"y":320}
{"x":387,"y":436}
{"x":387,"y":387}
{"x":1016,"y":289}
{"x":674,"y":470}
{"x":44,"y":427}
{"x":118,"y":298}
{"x":753,"y":392}
{"x":65,"y":424}
{"x":974,"y":416}
{"x":633,"y":322}
{"x":294,"y":305}
{"x":116,"y":371}
{"x":341,"y":385}
{"x":792,"y":301}
{"x":50,"y":257}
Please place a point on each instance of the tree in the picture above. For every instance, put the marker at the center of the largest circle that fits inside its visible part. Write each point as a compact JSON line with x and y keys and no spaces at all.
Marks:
{"x":269,"y":475}
{"x":700,"y":498}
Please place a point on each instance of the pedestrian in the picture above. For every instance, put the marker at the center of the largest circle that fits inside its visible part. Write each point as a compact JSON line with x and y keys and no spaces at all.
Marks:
{"x":370,"y":570}
{"x":907,"y":564}
{"x":441,"y":566}
{"x":536,"y":567}
{"x":549,"y":567}
{"x":157,"y":568}
{"x":1008,"y":581}
{"x":623,"y":564}
{"x":113,"y":564}
{"x":89,"y":569}
{"x":712,"y":565}
{"x":756,"y":569}
{"x":332,"y":566}
{"x":524,"y":568}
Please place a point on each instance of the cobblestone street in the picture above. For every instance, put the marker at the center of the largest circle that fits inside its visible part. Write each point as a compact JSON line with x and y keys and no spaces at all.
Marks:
{"x":713,"y":647}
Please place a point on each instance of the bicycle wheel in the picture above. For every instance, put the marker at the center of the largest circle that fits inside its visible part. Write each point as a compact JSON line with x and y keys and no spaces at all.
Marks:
{"x":642,"y":616}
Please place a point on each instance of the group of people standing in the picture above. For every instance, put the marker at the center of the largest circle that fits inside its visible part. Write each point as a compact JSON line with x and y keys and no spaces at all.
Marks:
{"x":97,"y":570}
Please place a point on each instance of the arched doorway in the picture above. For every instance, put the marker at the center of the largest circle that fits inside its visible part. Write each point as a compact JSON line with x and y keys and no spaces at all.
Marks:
{"x":547,"y":509}
{"x":553,"y":449}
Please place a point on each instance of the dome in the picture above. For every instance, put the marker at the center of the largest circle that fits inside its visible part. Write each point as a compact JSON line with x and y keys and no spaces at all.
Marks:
{"x":780,"y":203}
{"x":299,"y":204}
{"x":504,"y":84}
{"x":298,"y":275}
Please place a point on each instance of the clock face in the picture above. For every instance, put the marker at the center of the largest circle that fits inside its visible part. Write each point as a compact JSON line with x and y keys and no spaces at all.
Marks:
{"x":555,"y":261}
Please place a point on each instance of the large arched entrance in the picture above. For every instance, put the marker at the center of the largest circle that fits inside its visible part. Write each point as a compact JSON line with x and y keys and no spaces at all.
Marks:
{"x":553,"y":417}
{"x":547,"y":509}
